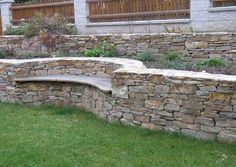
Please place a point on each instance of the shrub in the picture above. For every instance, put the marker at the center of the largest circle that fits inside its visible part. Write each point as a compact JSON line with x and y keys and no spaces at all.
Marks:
{"x":18,"y":30}
{"x":39,"y":25}
{"x":212,"y":62}
{"x":105,"y":50}
{"x":174,"y":60}
{"x":146,"y":56}
{"x":3,"y":54}
{"x":95,"y":52}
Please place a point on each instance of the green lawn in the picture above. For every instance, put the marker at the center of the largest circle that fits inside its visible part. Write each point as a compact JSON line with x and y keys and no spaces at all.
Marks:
{"x":65,"y":137}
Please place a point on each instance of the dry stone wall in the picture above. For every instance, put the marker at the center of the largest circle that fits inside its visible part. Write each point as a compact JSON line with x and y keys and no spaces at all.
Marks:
{"x":193,"y":46}
{"x":201,"y":105}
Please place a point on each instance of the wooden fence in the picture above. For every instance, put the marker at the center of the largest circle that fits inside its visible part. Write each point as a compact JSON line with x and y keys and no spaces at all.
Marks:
{"x":222,"y":3}
{"x":46,"y":7}
{"x":129,"y":10}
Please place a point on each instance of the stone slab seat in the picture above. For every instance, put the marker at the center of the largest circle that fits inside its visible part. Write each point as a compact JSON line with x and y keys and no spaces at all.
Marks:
{"x":103,"y":84}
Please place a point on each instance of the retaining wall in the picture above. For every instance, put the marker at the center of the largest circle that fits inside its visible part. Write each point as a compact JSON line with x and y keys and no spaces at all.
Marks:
{"x":193,"y":46}
{"x":201,"y":105}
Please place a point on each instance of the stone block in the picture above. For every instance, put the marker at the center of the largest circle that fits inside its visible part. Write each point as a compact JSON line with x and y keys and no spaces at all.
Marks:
{"x":37,"y":87}
{"x":172,"y":107}
{"x":204,"y":121}
{"x":218,"y":107}
{"x":183,"y":89}
{"x":156,"y":79}
{"x":164,"y":113}
{"x":208,"y":88}
{"x":222,"y":97}
{"x":192,"y":104}
{"x":182,"y":125}
{"x":227,"y":136}
{"x":154,"y":104}
{"x":174,"y":101}
{"x":142,"y":118}
{"x":231,"y":115}
{"x":161,"y":89}
{"x":128,"y":116}
{"x":199,"y":134}
{"x":210,"y":114}
{"x":187,"y":118}
{"x":210,"y":129}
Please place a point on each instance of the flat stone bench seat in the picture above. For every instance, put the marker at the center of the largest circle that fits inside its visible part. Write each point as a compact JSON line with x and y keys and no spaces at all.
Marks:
{"x":103,"y":84}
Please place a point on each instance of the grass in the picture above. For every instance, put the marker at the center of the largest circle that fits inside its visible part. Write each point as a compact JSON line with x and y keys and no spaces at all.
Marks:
{"x":57,"y":136}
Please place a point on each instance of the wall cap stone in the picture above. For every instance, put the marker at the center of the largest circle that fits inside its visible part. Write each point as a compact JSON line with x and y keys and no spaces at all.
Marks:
{"x":181,"y":74}
{"x":149,"y":22}
{"x":127,"y":63}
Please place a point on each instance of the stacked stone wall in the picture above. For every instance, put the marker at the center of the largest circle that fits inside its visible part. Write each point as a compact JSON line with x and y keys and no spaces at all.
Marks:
{"x":193,"y":46}
{"x":201,"y":105}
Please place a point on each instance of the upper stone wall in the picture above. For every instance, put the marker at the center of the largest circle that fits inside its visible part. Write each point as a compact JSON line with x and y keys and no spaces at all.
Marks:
{"x":193,"y":46}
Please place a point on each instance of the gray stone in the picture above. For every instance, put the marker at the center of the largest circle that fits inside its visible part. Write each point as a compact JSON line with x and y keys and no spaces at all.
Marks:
{"x":231,"y":115}
{"x":210,"y":129}
{"x":227,"y":136}
{"x":172,"y":107}
{"x":161,"y":89}
{"x":204,"y":121}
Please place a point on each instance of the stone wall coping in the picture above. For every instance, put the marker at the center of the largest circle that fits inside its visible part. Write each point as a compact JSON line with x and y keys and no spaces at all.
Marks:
{"x":127,"y":63}
{"x":145,"y":22}
{"x":178,"y":74}
{"x":134,"y":34}
{"x":222,"y":9}
{"x":103,"y":84}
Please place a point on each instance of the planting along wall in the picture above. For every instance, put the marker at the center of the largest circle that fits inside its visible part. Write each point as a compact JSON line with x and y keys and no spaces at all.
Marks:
{"x":193,"y":46}
{"x":197,"y":104}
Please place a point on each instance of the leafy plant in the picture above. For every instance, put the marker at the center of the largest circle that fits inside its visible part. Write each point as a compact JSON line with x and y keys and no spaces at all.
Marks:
{"x":95,"y":52}
{"x":17,"y":30}
{"x":174,"y":60}
{"x":39,"y":25}
{"x":108,"y":50}
{"x":212,"y":62}
{"x":105,"y":50}
{"x":3,"y":54}
{"x":146,"y":56}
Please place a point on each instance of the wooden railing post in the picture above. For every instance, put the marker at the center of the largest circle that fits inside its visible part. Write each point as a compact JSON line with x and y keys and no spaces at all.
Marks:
{"x":81,"y":13}
{"x":6,"y":13}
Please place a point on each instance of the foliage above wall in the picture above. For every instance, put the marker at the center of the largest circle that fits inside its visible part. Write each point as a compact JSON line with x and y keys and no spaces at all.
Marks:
{"x":22,"y":1}
{"x":40,"y":25}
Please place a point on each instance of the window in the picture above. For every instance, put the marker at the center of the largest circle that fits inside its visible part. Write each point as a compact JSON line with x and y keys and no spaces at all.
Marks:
{"x":223,"y":3}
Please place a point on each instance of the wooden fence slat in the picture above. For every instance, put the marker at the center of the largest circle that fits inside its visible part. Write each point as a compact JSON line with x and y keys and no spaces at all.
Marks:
{"x":129,"y":10}
{"x":46,"y":7}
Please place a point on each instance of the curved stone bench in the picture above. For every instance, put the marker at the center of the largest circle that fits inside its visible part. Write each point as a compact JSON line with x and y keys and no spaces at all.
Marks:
{"x":193,"y":103}
{"x":103,"y":84}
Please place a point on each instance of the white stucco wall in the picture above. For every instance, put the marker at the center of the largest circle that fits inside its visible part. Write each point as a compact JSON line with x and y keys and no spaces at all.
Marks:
{"x":203,"y":18}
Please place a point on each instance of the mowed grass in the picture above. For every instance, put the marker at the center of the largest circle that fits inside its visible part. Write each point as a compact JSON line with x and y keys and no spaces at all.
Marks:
{"x":67,"y":137}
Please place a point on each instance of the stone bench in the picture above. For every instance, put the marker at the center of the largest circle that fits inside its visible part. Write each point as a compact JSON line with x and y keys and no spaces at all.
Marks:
{"x":103,"y":84}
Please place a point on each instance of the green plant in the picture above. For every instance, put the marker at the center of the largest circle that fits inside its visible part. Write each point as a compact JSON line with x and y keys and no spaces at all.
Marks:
{"x":104,"y":50}
{"x":108,"y":50}
{"x":174,"y":60}
{"x":146,"y":56}
{"x":3,"y":54}
{"x":40,"y":25}
{"x":212,"y":62}
{"x":95,"y":52}
{"x":17,"y":30}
